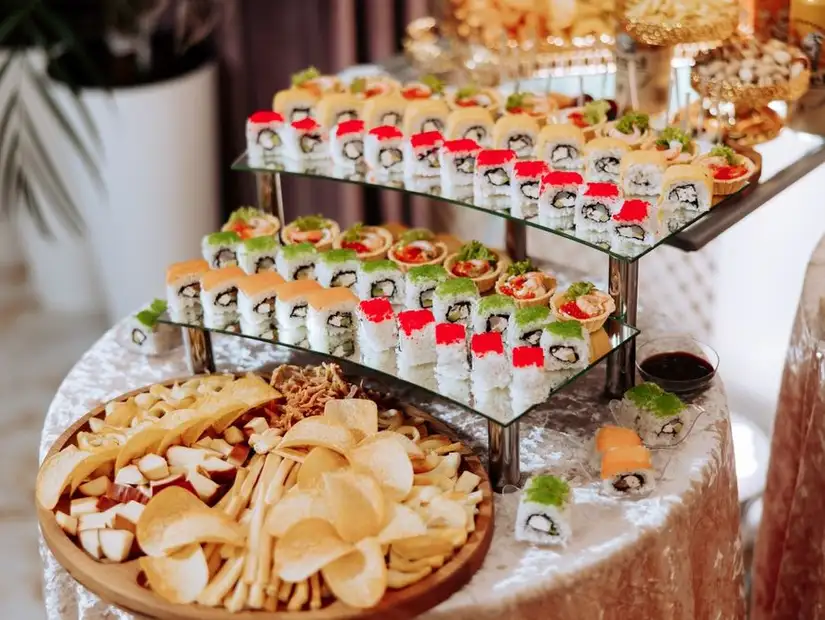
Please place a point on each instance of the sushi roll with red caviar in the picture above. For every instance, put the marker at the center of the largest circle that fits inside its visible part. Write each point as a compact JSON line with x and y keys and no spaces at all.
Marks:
{"x":451,"y":350}
{"x":635,"y":224}
{"x":595,"y":205}
{"x":377,"y":331}
{"x":305,"y":140}
{"x":457,"y":162}
{"x":346,"y":144}
{"x":525,"y":188}
{"x":263,"y":139}
{"x":490,"y":367}
{"x":529,"y":386}
{"x":383,"y":150}
{"x":421,"y":154}
{"x":493,"y":174}
{"x":416,"y":338}
{"x":557,"y":198}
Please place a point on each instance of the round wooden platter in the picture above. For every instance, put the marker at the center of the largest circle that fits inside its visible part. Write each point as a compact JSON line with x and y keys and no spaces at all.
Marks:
{"x":117,"y":583}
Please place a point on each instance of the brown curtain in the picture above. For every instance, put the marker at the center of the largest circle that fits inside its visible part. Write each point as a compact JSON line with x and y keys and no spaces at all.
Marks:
{"x":263,"y":43}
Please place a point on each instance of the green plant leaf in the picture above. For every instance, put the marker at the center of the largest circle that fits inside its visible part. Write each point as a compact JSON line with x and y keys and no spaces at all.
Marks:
{"x":67,"y":37}
{"x":8,"y":178}
{"x":30,"y":202}
{"x":10,"y":23}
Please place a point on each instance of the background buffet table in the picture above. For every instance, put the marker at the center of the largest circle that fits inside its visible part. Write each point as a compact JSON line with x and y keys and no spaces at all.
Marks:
{"x":672,"y":555}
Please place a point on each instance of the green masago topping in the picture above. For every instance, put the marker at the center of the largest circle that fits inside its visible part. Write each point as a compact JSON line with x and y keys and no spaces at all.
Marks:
{"x":416,"y":234}
{"x":358,"y":85}
{"x":633,"y":119}
{"x":595,"y":112}
{"x":533,"y":314}
{"x":339,"y":256}
{"x":456,"y":286}
{"x":475,"y":250}
{"x":725,"y":151}
{"x":642,"y":394}
{"x":223,"y":238}
{"x":577,"y":289}
{"x":354,"y":233}
{"x":298,"y":250}
{"x":673,"y":134}
{"x":466,"y":92}
{"x":302,"y":77}
{"x":260,"y":244}
{"x":547,"y":491}
{"x":149,"y":316}
{"x":244,"y":214}
{"x":311,"y":222}
{"x":666,"y":405}
{"x":519,"y":268}
{"x":566,"y":329}
{"x":519,"y":100}
{"x":379,"y":265}
{"x":427,"y":273}
{"x":495,"y":303}
{"x":434,"y":84}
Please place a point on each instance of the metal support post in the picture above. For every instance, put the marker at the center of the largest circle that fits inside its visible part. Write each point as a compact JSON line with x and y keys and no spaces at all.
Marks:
{"x":199,"y":355}
{"x":503,"y":443}
{"x":270,"y":196}
{"x":515,"y":241}
{"x":624,"y":289}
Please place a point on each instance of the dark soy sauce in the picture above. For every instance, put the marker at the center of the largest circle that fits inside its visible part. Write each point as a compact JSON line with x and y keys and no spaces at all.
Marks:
{"x":677,"y":366}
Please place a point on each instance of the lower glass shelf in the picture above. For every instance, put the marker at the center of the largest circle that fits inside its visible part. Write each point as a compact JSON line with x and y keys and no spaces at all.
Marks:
{"x":500,"y":405}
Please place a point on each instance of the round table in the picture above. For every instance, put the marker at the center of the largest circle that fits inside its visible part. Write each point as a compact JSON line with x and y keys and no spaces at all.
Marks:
{"x":673,"y":555}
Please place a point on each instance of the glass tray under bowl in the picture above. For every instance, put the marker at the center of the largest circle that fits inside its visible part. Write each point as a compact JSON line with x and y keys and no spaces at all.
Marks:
{"x":496,"y":405}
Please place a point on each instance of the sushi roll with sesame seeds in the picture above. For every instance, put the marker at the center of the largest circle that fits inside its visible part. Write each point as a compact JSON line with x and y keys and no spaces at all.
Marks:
{"x":493,"y":313}
{"x":525,"y":188}
{"x":557,"y":199}
{"x":566,"y":345}
{"x":635,"y":224}
{"x":263,"y":139}
{"x":291,"y":306}
{"x":491,"y":181}
{"x":297,"y":262}
{"x":383,"y":150}
{"x":595,"y":205}
{"x":490,"y":368}
{"x":688,"y":187}
{"x":220,"y":249}
{"x":451,"y":350}
{"x":305,"y":140}
{"x":420,"y":285}
{"x":377,"y":331}
{"x":346,"y":144}
{"x":457,"y":162}
{"x":421,"y":154}
{"x":660,"y":418}
{"x":258,"y":254}
{"x":337,"y":268}
{"x":380,"y":279}
{"x":453,"y":301}
{"x":527,"y":325}
{"x":529,"y":386}
{"x":416,"y":338}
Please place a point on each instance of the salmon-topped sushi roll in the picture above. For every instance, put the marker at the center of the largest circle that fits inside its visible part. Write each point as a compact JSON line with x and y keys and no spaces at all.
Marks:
{"x":219,"y":296}
{"x":183,"y":290}
{"x":627,"y":471}
{"x":331,"y":321}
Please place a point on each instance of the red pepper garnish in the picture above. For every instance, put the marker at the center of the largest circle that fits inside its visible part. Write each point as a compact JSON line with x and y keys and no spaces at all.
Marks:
{"x":373,"y":92}
{"x":411,"y":254}
{"x":727,"y":173}
{"x":577,"y":118}
{"x":241,"y":229}
{"x":469,"y":102}
{"x":359,"y":247}
{"x":414,"y":92}
{"x":572,"y":309}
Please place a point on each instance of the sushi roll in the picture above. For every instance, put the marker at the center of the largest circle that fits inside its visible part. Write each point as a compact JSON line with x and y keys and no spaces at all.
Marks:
{"x":525,"y":188}
{"x":380,"y":279}
{"x":566,"y":345}
{"x":609,"y":437}
{"x":543,"y":515}
{"x":472,"y":96}
{"x":635,"y":224}
{"x":256,"y":297}
{"x":603,"y":160}
{"x":421,"y":154}
{"x":457,"y":162}
{"x":661,"y":418}
{"x":337,"y":268}
{"x":263,"y":140}
{"x":368,"y":242}
{"x":627,"y":471}
{"x":595,"y":205}
{"x":220,"y":249}
{"x":557,"y":198}
{"x":688,"y":187}
{"x":219,"y":296}
{"x":295,"y":104}
{"x":420,"y":285}
{"x":331,"y":323}
{"x":423,"y":115}
{"x":267,"y":330}
{"x":377,"y":331}
{"x":490,"y":368}
{"x":451,"y":350}
{"x":529,"y":386}
{"x":518,"y":133}
{"x":305,"y":140}
{"x":493,"y":313}
{"x":336,"y":108}
{"x":291,"y":304}
{"x":527,"y":325}
{"x":147,"y":335}
{"x":315,"y":229}
{"x":249,"y":222}
{"x":491,"y":182}
{"x":633,"y":128}
{"x":258,"y":254}
{"x":383,"y":150}
{"x":384,"y":110}
{"x":297,"y":262}
{"x":561,"y":146}
{"x":294,"y":337}
{"x":474,"y":124}
{"x":183,"y":291}
{"x":416,"y":338}
{"x":346,"y":144}
{"x":453,"y":301}
{"x":642,"y":173}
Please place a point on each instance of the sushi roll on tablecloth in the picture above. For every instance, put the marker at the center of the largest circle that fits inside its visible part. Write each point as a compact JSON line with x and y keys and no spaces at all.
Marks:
{"x":527,"y":325}
{"x":490,"y":368}
{"x":219,"y":296}
{"x":557,"y":200}
{"x":491,"y":181}
{"x":561,"y":145}
{"x":635,"y":224}
{"x":416,"y":338}
{"x":291,"y":303}
{"x":473,"y":123}
{"x":346,"y":144}
{"x":603,"y":159}
{"x":609,"y":437}
{"x":525,"y":188}
{"x":258,"y":254}
{"x":305,"y":140}
{"x":383,"y":150}
{"x":451,"y":350}
{"x":149,"y":337}
{"x":336,"y":108}
{"x":493,"y":313}
{"x":544,"y":511}
{"x":377,"y":331}
{"x":384,"y":110}
{"x":529,"y":386}
{"x":183,"y":291}
{"x":380,"y":279}
{"x":257,"y":295}
{"x":566,"y":345}
{"x":660,"y":418}
{"x":422,"y":115}
{"x":643,"y":172}
{"x":453,"y":301}
{"x":263,"y":140}
{"x":457,"y":160}
{"x":518,"y":133}
{"x":337,"y":268}
{"x":627,"y":471}
{"x":297,"y":262}
{"x":595,"y":205}
{"x":331,"y":323}
{"x":421,"y":154}
{"x":420,"y":285}
{"x":688,"y":187}
{"x":220,"y":249}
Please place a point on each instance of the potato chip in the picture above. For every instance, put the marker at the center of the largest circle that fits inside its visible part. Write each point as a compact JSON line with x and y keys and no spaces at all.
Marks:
{"x":447,"y":513}
{"x":85,"y":468}
{"x":357,"y":414}
{"x":56,"y":474}
{"x":433,"y":442}
{"x":404,"y":565}
{"x":448,"y":467}
{"x":402,"y":522}
{"x":467,"y":482}
{"x":144,"y":441}
{"x":192,"y":426}
{"x":306,"y":548}
{"x":397,"y":580}
{"x":317,"y":462}
{"x":318,"y":431}
{"x":297,"y":455}
{"x":456,"y":537}
{"x":387,"y":461}
{"x":251,"y":390}
{"x":425,"y":545}
{"x":410,"y":446}
{"x":359,"y":578}
{"x":296,"y":507}
{"x":356,"y":504}
{"x":121,"y":413}
{"x":179,"y":578}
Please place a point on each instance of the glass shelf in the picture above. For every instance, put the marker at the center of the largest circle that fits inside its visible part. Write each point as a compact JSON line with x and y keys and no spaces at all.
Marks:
{"x":496,"y":405}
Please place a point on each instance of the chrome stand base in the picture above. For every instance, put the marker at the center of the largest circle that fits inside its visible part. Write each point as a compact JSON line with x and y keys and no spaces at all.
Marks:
{"x":624,"y":289}
{"x":199,"y":355}
{"x":503,"y":445}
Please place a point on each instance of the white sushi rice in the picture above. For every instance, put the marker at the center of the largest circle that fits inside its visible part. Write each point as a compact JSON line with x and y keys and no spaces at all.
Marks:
{"x":184,"y":293}
{"x":457,"y":168}
{"x":643,"y":179}
{"x":543,"y":524}
{"x":451,"y":360}
{"x":635,"y":487}
{"x":223,"y":321}
{"x":593,"y":213}
{"x":337,"y":344}
{"x":635,"y":232}
{"x":688,"y":195}
{"x":302,"y":146}
{"x":332,"y":322}
{"x":302,"y":266}
{"x":219,"y":255}
{"x":603,"y":165}
{"x":263,"y":141}
{"x":267,"y":330}
{"x":562,"y":154}
{"x":529,"y":387}
{"x":418,"y":348}
{"x":658,"y":431}
{"x":257,"y":261}
{"x":384,"y":156}
{"x":377,"y":337}
{"x":454,"y":308}
{"x":296,"y":337}
{"x":557,"y":205}
{"x":413,"y":293}
{"x":348,"y":150}
{"x":565,"y":353}
{"x":524,"y":197}
{"x":491,"y":182}
{"x":292,"y":314}
{"x":421,"y":162}
{"x":221,"y":299}
{"x":156,"y":340}
{"x":342,"y":273}
{"x":388,"y":283}
{"x":257,"y":308}
{"x":490,"y":371}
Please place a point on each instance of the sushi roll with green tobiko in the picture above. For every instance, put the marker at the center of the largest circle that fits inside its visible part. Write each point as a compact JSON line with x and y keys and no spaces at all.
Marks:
{"x":297,"y":262}
{"x":146,"y":335}
{"x":337,"y":268}
{"x":380,"y":278}
{"x":544,"y":511}
{"x":660,"y":418}
{"x":527,"y":325}
{"x":420,"y":285}
{"x":566,"y":346}
{"x":453,"y":301}
{"x":258,"y":254}
{"x":220,"y":249}
{"x":492,"y":314}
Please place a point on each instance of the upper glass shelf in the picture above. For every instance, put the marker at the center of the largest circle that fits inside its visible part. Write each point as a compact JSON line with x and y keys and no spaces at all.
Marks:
{"x":496,"y":404}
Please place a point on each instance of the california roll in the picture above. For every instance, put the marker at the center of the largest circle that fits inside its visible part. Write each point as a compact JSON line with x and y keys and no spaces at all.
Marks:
{"x":380,"y":279}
